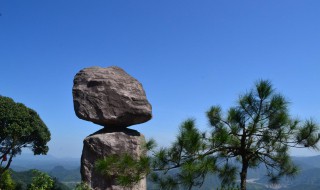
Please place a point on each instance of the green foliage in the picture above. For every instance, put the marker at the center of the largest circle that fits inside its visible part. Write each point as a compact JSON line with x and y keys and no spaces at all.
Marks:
{"x":258,"y":131}
{"x":41,"y":181}
{"x":150,"y":144}
{"x":23,"y":179}
{"x":6,"y":181}
{"x":58,"y":185}
{"x":20,"y":127}
{"x":82,"y":186}
{"x":127,"y":170}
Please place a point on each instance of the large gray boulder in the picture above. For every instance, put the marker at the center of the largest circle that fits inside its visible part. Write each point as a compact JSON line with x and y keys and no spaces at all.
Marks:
{"x":106,"y":142}
{"x":109,"y":97}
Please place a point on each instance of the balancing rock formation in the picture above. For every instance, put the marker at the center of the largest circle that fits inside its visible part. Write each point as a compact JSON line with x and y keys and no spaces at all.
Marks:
{"x":111,"y":98}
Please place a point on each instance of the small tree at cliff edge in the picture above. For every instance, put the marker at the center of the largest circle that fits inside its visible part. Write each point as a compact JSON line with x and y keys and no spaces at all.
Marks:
{"x":20,"y":127}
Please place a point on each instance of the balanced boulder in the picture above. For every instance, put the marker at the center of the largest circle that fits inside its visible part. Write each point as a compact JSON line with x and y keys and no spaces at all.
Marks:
{"x":110,"y":97}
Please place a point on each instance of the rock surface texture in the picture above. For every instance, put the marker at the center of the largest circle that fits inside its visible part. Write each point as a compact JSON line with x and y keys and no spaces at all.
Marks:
{"x":109,"y":97}
{"x":108,"y":142}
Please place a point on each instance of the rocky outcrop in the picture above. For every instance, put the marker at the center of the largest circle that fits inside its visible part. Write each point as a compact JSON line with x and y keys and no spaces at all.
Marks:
{"x":109,"y":97}
{"x":109,"y":141}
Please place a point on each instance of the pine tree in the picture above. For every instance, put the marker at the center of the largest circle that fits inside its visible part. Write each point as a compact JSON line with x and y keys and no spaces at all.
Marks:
{"x":258,"y":131}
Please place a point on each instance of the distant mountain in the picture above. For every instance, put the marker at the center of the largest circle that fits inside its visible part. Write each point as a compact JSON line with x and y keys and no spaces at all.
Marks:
{"x":63,"y":174}
{"x":43,"y":162}
{"x":308,"y":175}
{"x":303,"y":186}
{"x":67,"y":171}
{"x":67,"y":177}
{"x":307,"y":162}
{"x":307,"y":179}
{"x":211,"y":182}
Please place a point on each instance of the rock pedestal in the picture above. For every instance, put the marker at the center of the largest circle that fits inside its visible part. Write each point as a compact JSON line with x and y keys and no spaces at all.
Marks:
{"x":109,"y":142}
{"x":111,"y":98}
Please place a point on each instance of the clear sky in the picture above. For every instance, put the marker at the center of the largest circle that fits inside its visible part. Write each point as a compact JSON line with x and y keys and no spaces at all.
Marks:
{"x":189,"y":55}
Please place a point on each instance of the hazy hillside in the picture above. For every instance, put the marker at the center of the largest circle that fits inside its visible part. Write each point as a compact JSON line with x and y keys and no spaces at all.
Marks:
{"x":25,"y":177}
{"x":67,"y":171}
{"x":308,"y":178}
{"x":67,"y":177}
{"x":63,"y":174}
{"x":43,"y":162}
{"x":303,"y":187}
{"x":307,"y":162}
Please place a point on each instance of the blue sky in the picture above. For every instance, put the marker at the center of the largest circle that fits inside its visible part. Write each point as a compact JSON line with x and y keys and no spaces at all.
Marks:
{"x":189,"y":55}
